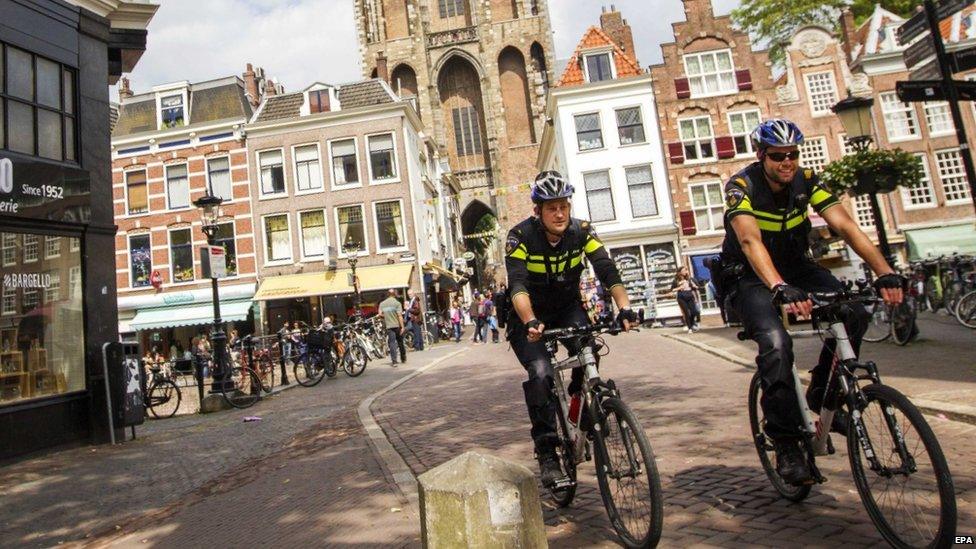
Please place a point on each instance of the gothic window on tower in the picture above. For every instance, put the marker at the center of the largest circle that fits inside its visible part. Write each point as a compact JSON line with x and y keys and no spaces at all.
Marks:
{"x":450,"y":8}
{"x":467,"y":131}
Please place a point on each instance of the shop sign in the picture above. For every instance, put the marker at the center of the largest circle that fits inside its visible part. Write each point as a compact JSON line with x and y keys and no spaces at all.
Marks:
{"x":175,"y":299}
{"x":213,"y":260}
{"x":37,"y":190}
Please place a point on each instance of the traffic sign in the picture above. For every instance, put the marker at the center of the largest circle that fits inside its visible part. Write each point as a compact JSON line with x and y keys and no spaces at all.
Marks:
{"x":921,"y":90}
{"x":912,"y":28}
{"x":919,"y":51}
{"x":963,"y":60}
{"x":948,"y":7}
{"x":965,"y":89}
{"x":928,"y":71}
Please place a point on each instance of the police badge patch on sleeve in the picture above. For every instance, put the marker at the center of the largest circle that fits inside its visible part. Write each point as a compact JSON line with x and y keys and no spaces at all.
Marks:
{"x":511,"y":244}
{"x":734,"y":197}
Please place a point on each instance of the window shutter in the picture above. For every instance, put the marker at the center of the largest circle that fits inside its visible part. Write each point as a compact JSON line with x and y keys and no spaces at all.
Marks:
{"x":681,"y":88}
{"x":687,"y":223}
{"x":676,"y":153}
{"x":744,"y":79}
{"x":725,"y":146}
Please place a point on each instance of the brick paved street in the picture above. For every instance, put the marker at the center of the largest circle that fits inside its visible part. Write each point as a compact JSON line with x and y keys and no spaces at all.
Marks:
{"x":693,"y":407}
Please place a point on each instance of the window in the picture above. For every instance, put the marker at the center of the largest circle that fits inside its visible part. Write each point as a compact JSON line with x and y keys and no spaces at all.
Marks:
{"x":382,"y":164}
{"x":640,"y":186}
{"x":821,"y":92}
{"x":599,"y":197}
{"x":707,"y":204}
{"x":922,"y":195}
{"x":277,"y":238}
{"x":32,"y":298}
{"x":308,"y":174}
{"x":9,"y":300}
{"x":467,"y":131}
{"x":710,"y":73}
{"x":140,"y":260}
{"x":75,"y":244}
{"x":52,"y":292}
{"x":938,"y":118}
{"x":630,"y":127}
{"x":74,"y":282}
{"x":272,"y":172}
{"x":598,"y":67}
{"x":813,"y":153}
{"x":30,"y":248}
{"x":9,"y":249}
{"x":450,"y":8}
{"x":225,"y":238}
{"x":862,"y":211}
{"x":181,"y":255}
{"x":177,"y":187}
{"x":171,"y":111}
{"x":318,"y":101}
{"x":313,"y":233}
{"x":37,"y":106}
{"x":389,"y":224}
{"x":899,"y":118}
{"x":351,"y":226}
{"x":588,"y":134}
{"x":741,"y":125}
{"x":696,"y":138}
{"x":953,"y":176}
{"x":52,"y":247}
{"x":344,"y":165}
{"x":218,"y":172}
{"x":137,"y":192}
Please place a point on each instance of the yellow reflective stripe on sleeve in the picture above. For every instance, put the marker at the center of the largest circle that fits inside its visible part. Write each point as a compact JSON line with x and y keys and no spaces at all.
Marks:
{"x":769,"y":226}
{"x":519,"y":253}
{"x":592,"y":245}
{"x":819,"y":195}
{"x":768,"y":216}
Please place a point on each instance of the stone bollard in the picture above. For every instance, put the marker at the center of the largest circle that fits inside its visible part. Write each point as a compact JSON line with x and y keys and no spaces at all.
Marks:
{"x":478,"y":500}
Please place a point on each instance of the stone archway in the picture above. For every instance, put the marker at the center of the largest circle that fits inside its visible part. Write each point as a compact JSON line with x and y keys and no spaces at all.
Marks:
{"x":476,"y":219}
{"x":459,"y":87}
{"x":515,"y":97}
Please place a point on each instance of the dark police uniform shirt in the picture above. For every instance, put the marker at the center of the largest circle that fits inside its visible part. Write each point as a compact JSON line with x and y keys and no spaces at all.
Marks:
{"x":550,"y":275}
{"x":783,"y":219}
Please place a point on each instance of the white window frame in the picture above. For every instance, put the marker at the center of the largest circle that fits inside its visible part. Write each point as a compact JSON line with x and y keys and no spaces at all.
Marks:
{"x":609,"y":189}
{"x":396,"y":164}
{"x":74,"y":244}
{"x":49,"y":251}
{"x":698,"y":140}
{"x":52,"y":292}
{"x":596,"y":53}
{"x":845,"y":148}
{"x":906,"y":108}
{"x":37,"y":248}
{"x":822,"y":111}
{"x":125,"y":190}
{"x":294,"y":168}
{"x":743,"y":113}
{"x":74,"y":282}
{"x":169,"y":254}
{"x":128,"y":258}
{"x":166,"y":168}
{"x":863,"y":215}
{"x":403,"y":227}
{"x":11,"y":294}
{"x":230,"y":175}
{"x":284,"y":175}
{"x":603,"y":140}
{"x":9,"y":243}
{"x":717,"y":73}
{"x":159,"y":107}
{"x":651,"y":184}
{"x":301,"y":235}
{"x":616,"y":121}
{"x":264,"y":241}
{"x":359,"y":166}
{"x":927,"y":109}
{"x":929,"y":186}
{"x":966,"y":198}
{"x":822,"y":139}
{"x":721,"y":206}
{"x":340,"y":252}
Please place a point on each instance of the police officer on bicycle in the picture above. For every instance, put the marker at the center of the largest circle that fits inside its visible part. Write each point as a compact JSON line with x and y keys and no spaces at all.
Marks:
{"x":545,"y":258}
{"x":766,"y":257}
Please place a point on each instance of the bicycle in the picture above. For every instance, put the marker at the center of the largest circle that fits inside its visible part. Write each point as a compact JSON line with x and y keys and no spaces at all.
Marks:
{"x":164,"y":394}
{"x":966,"y":310}
{"x":895,"y":321}
{"x":315,"y":361}
{"x":347,"y":350}
{"x":879,"y":450}
{"x":625,"y":468}
{"x":241,"y":385}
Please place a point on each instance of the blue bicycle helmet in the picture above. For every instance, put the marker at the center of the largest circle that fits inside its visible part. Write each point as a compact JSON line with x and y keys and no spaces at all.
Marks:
{"x":776,"y":132}
{"x":550,"y":185}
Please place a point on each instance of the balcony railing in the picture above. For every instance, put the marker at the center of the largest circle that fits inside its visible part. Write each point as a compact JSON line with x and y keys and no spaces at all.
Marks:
{"x":452,"y":37}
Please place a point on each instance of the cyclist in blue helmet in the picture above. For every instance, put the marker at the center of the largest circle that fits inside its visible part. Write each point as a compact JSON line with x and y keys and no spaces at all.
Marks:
{"x":767,"y":263}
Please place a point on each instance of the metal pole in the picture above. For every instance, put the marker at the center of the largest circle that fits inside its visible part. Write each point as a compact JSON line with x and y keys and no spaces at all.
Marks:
{"x":220,"y":371}
{"x":880,"y":228}
{"x":952,"y":95}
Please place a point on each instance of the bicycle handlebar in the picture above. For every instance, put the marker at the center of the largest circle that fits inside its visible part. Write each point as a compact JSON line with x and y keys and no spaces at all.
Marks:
{"x":611,"y":328}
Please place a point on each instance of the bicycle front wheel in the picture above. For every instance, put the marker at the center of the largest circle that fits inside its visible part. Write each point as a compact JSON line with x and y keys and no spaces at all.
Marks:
{"x":628,"y":476}
{"x":310,"y":371}
{"x":354,"y":361}
{"x":966,"y":310}
{"x":164,"y":399}
{"x":764,"y":446}
{"x":903,"y":327}
{"x":910,"y":498}
{"x":879,"y":326}
{"x":243,"y":387}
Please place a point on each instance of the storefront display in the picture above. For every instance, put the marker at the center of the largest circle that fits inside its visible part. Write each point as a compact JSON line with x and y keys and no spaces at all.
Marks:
{"x":647,"y":266}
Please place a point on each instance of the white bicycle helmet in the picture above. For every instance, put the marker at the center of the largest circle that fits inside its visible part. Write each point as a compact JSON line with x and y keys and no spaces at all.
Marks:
{"x":550,"y":185}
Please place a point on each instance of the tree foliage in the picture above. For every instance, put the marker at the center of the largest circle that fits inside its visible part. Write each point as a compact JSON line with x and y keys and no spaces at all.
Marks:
{"x":776,"y":21}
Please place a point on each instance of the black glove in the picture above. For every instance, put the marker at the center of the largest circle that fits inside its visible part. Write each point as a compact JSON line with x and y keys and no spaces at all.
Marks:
{"x":626,"y":314}
{"x":784,"y":294}
{"x":534,"y":323}
{"x":891,"y":281}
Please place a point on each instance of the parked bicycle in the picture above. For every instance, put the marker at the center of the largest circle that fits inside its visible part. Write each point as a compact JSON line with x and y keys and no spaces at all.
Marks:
{"x":252,"y":374}
{"x":316,"y":360}
{"x":164,"y":394}
{"x":898,"y":466}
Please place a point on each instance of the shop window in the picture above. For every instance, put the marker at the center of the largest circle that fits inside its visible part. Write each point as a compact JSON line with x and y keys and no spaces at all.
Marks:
{"x":308,"y":174}
{"x":9,"y":249}
{"x":389,"y":224}
{"x":181,"y":255}
{"x":630,"y":127}
{"x":272,"y":172}
{"x":707,"y":204}
{"x":588,"y":133}
{"x":177,"y":187}
{"x":137,"y":192}
{"x":52,"y":247}
{"x":741,"y":125}
{"x":344,"y":165}
{"x":171,"y":111}
{"x":140,"y":260}
{"x":382,"y":162}
{"x":467,"y":131}
{"x":42,"y":337}
{"x":696,"y":138}
{"x":640,"y":185}
{"x":351,"y":226}
{"x":225,"y":237}
{"x":218,"y":172}
{"x":31,"y":248}
{"x":277,"y":238}
{"x":599,"y":197}
{"x":599,"y":67}
{"x":313,"y":233}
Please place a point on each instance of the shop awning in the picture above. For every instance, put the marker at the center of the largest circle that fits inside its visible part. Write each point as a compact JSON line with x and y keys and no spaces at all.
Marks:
{"x":938,"y":241}
{"x":336,"y":282}
{"x":187,"y":315}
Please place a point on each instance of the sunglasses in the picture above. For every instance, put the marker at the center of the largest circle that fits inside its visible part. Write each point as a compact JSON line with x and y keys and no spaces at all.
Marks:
{"x":779,"y":157}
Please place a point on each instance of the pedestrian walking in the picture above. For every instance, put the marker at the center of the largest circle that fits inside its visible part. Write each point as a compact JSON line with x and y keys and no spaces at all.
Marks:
{"x":491,"y":320}
{"x":473,"y":312}
{"x":455,"y":316}
{"x":502,"y":305}
{"x":392,"y":312}
{"x":687,"y":291}
{"x":415,"y":320}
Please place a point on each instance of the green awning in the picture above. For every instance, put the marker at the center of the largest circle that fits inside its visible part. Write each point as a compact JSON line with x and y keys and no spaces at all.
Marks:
{"x":924,"y":243}
{"x":188,"y":315}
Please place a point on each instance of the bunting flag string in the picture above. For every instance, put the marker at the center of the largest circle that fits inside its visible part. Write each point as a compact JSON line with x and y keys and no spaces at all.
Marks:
{"x":497,"y":191}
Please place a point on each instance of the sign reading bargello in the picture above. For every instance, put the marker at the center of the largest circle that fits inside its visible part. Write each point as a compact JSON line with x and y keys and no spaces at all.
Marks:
{"x":38,"y":190}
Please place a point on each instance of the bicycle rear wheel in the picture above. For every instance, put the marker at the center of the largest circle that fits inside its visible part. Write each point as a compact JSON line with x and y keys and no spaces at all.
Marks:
{"x":243,"y":387}
{"x":966,"y":310}
{"x":911,"y":501}
{"x":164,"y":399}
{"x":903,"y":328}
{"x":309,"y":372}
{"x":764,"y":446}
{"x":879,"y":326}
{"x":354,"y":361}
{"x":628,"y":477}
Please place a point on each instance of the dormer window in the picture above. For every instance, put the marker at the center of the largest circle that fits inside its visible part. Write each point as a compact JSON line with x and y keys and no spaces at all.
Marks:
{"x":598,"y":66}
{"x":318,"y":101}
{"x":171,"y":113}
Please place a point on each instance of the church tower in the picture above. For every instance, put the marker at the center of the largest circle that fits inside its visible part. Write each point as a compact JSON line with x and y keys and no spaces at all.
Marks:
{"x":479,"y":70}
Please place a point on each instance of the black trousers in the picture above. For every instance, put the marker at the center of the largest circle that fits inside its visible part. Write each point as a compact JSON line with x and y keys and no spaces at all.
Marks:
{"x":689,"y":308}
{"x":754,"y":304}
{"x":535,"y":359}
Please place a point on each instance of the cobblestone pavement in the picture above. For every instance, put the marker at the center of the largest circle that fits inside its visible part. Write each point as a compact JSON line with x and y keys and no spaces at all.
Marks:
{"x":692,"y":405}
{"x":183,"y":466}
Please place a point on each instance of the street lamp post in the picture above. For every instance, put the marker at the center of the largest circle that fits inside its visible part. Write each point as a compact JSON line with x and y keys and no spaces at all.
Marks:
{"x":855,"y":116}
{"x":209,"y":206}
{"x":351,"y":247}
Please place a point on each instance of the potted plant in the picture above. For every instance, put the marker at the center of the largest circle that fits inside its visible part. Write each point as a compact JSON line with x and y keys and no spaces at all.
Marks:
{"x":872,"y":171}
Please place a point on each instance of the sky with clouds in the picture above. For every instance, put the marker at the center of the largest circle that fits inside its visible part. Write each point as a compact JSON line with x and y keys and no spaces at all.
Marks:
{"x":302,"y":41}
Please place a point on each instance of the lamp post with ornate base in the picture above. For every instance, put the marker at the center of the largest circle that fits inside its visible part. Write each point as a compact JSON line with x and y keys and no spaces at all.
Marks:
{"x":209,"y":206}
{"x":351,"y":247}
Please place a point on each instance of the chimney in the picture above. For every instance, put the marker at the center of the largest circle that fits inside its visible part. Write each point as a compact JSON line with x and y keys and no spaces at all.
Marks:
{"x":612,"y":22}
{"x":382,"y":69}
{"x":847,"y":30}
{"x":124,"y":91}
{"x":270,"y":90}
{"x":251,"y":89}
